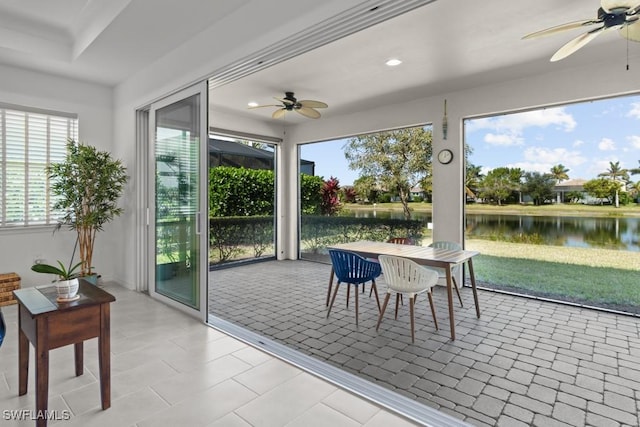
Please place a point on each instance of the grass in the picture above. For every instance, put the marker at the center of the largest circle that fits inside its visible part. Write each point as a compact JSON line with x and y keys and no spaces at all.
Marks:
{"x":595,"y":277}
{"x":526,"y":209}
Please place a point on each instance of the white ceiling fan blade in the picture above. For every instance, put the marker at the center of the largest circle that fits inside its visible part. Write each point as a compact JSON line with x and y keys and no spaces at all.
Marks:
{"x":261,"y":106}
{"x":576,"y":44}
{"x":308,"y":112}
{"x":609,"y":5}
{"x":278,"y":114}
{"x":312,"y":104}
{"x":633,"y":10}
{"x":563,"y":27}
{"x":631,"y":31}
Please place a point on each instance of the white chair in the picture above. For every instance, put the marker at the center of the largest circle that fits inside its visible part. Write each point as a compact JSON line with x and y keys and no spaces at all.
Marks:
{"x":404,"y":276}
{"x":443,"y":244}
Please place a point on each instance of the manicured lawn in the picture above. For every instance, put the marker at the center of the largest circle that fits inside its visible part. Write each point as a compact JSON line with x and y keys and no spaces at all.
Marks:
{"x":607,"y":287}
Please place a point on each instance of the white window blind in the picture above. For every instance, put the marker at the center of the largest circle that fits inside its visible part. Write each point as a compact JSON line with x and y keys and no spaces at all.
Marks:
{"x":30,"y":139}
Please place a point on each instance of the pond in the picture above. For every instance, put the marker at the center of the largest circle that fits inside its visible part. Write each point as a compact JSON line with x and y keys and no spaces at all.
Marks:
{"x":587,"y":232}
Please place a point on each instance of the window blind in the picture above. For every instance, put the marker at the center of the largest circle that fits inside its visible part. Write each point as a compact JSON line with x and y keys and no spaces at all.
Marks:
{"x":31,"y":139}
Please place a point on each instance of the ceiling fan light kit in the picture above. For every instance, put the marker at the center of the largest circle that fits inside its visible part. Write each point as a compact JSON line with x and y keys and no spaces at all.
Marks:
{"x":621,"y":15}
{"x":305,"y":107}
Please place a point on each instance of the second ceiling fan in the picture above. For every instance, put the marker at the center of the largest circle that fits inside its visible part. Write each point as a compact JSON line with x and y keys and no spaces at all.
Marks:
{"x":621,"y":15}
{"x":306,"y":107}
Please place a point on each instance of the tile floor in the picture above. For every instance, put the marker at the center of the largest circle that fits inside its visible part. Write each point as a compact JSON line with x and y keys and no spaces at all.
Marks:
{"x":524,"y":362}
{"x":168,"y":369}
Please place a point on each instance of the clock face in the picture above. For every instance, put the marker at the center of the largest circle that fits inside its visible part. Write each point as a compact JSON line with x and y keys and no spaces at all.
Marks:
{"x":445,"y":156}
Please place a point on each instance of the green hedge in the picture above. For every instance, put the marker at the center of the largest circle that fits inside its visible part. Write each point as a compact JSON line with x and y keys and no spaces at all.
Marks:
{"x":250,"y":192}
{"x":228,"y":235}
{"x":318,"y":232}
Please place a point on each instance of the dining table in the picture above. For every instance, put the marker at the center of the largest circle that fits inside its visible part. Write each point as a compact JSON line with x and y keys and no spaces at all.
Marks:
{"x":423,"y":255}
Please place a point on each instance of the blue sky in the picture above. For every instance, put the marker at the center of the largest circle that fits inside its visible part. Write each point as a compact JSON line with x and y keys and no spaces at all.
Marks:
{"x":583,"y":137}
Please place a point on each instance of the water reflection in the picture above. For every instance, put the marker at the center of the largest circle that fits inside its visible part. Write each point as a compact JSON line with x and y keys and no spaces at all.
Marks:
{"x":602,"y":232}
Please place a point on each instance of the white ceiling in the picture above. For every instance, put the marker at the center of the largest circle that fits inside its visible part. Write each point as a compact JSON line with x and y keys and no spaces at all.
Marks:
{"x":445,"y":46}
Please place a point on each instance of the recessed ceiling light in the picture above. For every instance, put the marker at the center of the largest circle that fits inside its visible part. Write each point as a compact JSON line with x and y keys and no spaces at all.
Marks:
{"x":393,"y":62}
{"x":252,"y":104}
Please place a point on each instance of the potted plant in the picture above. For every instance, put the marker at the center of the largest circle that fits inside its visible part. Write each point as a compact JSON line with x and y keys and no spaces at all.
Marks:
{"x":87,"y":185}
{"x":67,"y":283}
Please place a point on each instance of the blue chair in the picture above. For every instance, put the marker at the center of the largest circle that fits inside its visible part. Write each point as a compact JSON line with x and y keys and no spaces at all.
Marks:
{"x":353,"y":269}
{"x":3,"y":328}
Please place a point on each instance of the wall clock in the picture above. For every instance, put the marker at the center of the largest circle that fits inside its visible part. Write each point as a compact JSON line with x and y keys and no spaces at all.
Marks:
{"x":445,"y":156}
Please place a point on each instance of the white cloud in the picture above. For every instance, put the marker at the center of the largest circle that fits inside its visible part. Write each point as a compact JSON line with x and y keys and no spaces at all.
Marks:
{"x":517,"y":122}
{"x":578,"y":143}
{"x":634,"y":140}
{"x":606,"y":144}
{"x":541,"y":159}
{"x":503,"y":139}
{"x":635,"y":110}
{"x":553,"y":156}
{"x":599,"y":165}
{"x":507,"y":130}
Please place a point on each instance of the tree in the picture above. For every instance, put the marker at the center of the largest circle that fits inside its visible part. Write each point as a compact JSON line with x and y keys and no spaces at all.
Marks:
{"x":330,"y":197}
{"x":472,"y":179}
{"x":575,"y":196}
{"x":398,"y":160}
{"x":538,"y":186}
{"x":366,"y":188}
{"x":616,"y":173}
{"x":635,"y":171}
{"x":499,"y":183}
{"x":349,"y":194}
{"x":559,"y":173}
{"x":602,"y":188}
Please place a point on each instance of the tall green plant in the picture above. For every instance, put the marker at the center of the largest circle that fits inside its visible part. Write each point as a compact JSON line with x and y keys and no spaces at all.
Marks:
{"x":87,"y":185}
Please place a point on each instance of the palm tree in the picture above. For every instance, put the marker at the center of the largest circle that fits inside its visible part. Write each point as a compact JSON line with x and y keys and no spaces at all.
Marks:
{"x":614,"y":172}
{"x":635,"y":171}
{"x":472,"y":180}
{"x":559,"y":173}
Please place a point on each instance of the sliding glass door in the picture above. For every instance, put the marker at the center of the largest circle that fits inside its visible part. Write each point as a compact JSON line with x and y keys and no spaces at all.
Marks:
{"x":178,"y":202}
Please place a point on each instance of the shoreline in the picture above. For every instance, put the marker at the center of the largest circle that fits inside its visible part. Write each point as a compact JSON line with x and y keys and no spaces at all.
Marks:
{"x":630,"y":211}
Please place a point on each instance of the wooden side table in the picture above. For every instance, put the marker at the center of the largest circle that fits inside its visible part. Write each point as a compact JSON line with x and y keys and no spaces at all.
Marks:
{"x":49,"y":324}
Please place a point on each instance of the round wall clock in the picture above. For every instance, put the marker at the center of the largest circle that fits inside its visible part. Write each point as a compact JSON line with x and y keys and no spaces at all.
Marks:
{"x":445,"y":156}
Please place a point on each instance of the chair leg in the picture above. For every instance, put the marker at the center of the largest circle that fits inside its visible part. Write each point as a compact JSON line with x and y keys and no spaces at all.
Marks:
{"x":349,"y":293}
{"x":411,"y":304}
{"x":355,"y":292}
{"x":333,"y":299}
{"x":398,"y":296}
{"x":375,"y":291}
{"x":330,"y":286}
{"x":384,"y":307}
{"x":433,"y":309}
{"x":455,"y":286}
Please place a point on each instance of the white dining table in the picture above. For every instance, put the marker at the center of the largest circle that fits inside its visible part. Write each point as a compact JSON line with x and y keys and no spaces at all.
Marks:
{"x":423,"y":255}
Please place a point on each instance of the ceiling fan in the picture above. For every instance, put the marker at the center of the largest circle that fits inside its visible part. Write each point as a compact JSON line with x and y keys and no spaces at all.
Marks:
{"x":306,"y":107}
{"x":621,"y":15}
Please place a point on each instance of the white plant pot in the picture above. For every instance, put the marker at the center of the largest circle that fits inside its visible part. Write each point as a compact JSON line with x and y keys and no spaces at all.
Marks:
{"x":67,"y":289}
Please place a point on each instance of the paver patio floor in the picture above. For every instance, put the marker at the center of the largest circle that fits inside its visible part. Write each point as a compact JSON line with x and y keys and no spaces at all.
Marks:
{"x":524,"y":362}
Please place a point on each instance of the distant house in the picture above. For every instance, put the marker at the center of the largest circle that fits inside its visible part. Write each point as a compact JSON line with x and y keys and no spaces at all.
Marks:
{"x":234,"y":154}
{"x":569,"y":186}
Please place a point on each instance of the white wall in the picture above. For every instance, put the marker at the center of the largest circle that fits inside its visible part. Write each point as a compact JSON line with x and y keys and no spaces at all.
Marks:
{"x":93,"y":104}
